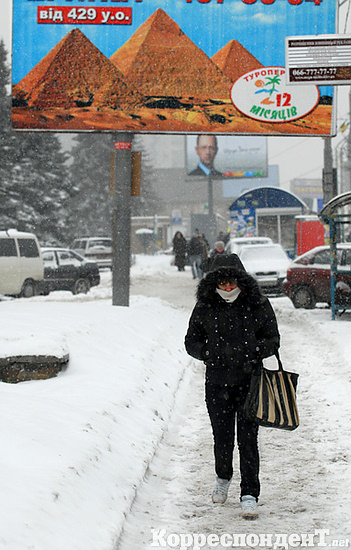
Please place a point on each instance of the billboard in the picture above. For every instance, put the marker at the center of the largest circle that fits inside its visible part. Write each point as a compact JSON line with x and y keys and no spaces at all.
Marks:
{"x":223,"y":157}
{"x":318,"y":59}
{"x":166,"y":66}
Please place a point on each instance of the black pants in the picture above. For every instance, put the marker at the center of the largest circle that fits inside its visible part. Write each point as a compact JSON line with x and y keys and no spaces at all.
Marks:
{"x":224,"y":405}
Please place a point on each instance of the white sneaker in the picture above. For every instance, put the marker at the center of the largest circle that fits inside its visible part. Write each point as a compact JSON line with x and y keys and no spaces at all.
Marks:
{"x":220,"y":491}
{"x":249,"y":507}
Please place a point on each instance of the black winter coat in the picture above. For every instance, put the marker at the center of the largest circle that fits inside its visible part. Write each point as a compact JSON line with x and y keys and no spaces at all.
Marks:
{"x":231,"y":338}
{"x":179,"y":250}
{"x":195,"y":247}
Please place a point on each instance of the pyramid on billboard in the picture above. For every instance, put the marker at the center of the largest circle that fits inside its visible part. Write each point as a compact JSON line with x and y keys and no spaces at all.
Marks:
{"x":160,"y":60}
{"x":234,"y":60}
{"x":70,"y":75}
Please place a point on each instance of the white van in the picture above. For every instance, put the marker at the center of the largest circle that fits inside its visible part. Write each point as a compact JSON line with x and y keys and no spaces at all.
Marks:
{"x":21,"y":264}
{"x":97,"y":249}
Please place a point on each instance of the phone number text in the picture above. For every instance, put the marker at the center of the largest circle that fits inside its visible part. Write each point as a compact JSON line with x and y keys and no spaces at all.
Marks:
{"x":314,"y":72}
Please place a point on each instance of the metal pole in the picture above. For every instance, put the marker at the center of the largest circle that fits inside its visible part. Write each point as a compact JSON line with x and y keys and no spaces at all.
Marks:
{"x":121,"y":219}
{"x":339,"y":160}
{"x":333,"y":264}
{"x":327,"y":171}
{"x":211,"y":216}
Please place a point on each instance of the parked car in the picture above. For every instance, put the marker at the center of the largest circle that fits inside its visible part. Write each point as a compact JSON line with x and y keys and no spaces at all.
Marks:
{"x":64,"y":269}
{"x":268,"y":264}
{"x":234,"y":245}
{"x":308,"y":277}
{"x":98,"y":249}
{"x":21,"y":263}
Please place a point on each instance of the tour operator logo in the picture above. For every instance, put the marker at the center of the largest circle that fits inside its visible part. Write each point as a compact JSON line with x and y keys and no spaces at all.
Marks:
{"x":262,"y":94}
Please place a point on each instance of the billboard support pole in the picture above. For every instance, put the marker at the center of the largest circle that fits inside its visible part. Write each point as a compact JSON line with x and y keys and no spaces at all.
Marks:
{"x":121,"y":218}
{"x":211,"y":215}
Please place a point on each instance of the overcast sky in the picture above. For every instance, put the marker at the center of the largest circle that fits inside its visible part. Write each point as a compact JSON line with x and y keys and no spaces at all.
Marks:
{"x":296,"y":157}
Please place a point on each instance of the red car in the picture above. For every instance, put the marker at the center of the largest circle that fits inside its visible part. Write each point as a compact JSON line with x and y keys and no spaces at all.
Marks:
{"x":308,"y":277}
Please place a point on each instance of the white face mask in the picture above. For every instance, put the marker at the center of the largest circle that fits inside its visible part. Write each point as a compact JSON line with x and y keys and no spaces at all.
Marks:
{"x":230,"y":296}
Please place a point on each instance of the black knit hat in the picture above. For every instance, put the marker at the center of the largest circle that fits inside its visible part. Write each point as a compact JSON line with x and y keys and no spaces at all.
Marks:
{"x":226,"y":260}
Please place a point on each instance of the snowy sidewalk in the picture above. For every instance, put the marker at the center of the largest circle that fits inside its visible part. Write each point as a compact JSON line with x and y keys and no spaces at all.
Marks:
{"x":305,"y":475}
{"x":78,"y":450}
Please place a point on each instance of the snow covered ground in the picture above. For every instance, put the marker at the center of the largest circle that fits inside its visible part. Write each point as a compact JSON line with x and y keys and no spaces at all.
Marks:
{"x":116,"y":452}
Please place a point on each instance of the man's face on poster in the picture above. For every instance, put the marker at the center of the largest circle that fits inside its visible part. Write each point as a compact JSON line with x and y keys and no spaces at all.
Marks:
{"x":206,"y":150}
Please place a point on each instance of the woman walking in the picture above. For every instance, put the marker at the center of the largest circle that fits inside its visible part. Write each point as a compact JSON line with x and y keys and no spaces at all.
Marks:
{"x":179,"y":250}
{"x":232,"y":328}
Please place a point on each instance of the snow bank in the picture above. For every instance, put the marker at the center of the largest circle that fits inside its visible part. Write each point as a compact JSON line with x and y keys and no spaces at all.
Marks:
{"x":75,"y":448}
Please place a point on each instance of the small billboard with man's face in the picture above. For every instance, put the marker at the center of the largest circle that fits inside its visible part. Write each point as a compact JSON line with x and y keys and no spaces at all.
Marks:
{"x":223,"y":157}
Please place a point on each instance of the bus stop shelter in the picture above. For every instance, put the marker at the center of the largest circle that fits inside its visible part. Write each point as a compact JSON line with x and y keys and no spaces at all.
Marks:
{"x":337,"y":214}
{"x":267,"y":212}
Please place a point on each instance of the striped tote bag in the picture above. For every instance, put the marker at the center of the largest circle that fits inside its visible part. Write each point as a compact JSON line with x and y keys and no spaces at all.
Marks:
{"x":271,"y":400}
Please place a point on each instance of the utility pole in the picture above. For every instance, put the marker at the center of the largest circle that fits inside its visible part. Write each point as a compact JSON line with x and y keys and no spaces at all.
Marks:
{"x":121,"y":218}
{"x":328,"y":175}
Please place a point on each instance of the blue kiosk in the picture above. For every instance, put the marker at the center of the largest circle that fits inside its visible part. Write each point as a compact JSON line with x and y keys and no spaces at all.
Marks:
{"x":267,"y":212}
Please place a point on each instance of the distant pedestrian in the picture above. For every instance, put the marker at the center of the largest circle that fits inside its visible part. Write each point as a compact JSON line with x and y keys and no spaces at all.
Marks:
{"x":195,"y":249}
{"x":232,"y":328}
{"x":179,"y":250}
{"x":204,"y":252}
{"x":223,"y":237}
{"x":218,"y":250}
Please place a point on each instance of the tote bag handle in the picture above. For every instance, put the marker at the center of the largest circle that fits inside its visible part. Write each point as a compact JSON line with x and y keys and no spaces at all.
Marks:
{"x":280,"y":365}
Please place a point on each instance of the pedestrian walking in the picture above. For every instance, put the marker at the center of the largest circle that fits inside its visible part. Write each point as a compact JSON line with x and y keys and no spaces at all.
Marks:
{"x":223,"y":237}
{"x":232,"y":328}
{"x":218,"y":250}
{"x":179,"y":250}
{"x":195,"y":255}
{"x":204,"y":252}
